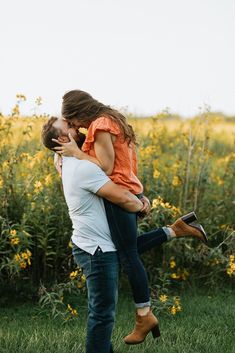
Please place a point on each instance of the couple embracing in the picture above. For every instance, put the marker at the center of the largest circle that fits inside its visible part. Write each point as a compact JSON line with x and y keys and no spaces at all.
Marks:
{"x":104,"y":197}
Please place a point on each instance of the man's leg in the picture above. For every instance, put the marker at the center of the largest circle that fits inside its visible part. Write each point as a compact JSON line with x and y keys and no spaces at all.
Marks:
{"x":101,"y":271}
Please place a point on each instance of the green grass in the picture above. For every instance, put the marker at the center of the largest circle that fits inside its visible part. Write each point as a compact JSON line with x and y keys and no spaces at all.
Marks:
{"x":206,"y":325}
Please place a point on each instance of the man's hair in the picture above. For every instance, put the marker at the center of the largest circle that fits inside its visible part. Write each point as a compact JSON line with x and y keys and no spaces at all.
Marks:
{"x":49,"y":132}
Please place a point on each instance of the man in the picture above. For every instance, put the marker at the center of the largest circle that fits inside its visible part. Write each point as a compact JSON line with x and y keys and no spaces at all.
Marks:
{"x":85,"y":184}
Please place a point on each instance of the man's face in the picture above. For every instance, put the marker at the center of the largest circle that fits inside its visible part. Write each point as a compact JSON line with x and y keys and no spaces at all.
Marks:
{"x":65,"y":128}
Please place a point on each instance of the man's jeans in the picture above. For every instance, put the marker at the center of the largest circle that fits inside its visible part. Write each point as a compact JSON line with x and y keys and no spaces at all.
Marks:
{"x":101,"y":271}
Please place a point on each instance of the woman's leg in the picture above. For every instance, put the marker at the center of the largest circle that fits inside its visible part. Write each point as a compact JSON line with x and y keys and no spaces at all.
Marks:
{"x":149,"y":240}
{"x":123,"y":228}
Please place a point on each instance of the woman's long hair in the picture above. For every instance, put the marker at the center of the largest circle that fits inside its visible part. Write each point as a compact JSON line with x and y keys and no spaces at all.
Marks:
{"x":82,"y":106}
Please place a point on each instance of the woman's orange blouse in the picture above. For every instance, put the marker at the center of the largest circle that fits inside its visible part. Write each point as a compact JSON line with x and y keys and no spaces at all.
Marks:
{"x":125,"y":165}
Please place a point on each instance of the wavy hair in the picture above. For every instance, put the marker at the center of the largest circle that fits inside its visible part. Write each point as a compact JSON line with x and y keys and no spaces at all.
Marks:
{"x":82,"y":106}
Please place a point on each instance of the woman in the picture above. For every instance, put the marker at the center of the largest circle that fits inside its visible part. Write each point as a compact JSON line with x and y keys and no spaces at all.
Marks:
{"x":110,"y":143}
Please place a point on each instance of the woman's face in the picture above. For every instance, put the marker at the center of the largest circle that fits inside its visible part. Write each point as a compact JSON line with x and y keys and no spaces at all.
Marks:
{"x":76,"y":123}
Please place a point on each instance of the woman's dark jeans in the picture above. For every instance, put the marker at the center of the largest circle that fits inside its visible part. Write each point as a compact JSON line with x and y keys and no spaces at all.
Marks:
{"x":123,"y":229}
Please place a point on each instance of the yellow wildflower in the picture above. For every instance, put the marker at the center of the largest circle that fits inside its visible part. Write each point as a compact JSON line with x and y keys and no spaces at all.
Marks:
{"x":175,"y":276}
{"x":184,"y":275}
{"x":223,"y":226}
{"x":23,"y":264}
{"x":37,"y":187}
{"x":179,"y":308}
{"x":25,"y":155}
{"x":173,"y":310}
{"x":17,"y":258}
{"x":157,"y":202}
{"x":38,"y":157}
{"x":21,"y":97}
{"x":172,"y":263}
{"x":15,"y":110}
{"x":15,"y":241}
{"x":83,"y":278}
{"x":229,"y":272}
{"x":154,"y":203}
{"x":38,"y":100}
{"x":13,"y":232}
{"x":1,"y":183}
{"x":73,"y":275}
{"x":177,"y":300}
{"x":232,"y":266}
{"x":48,"y":180}
{"x":176,"y":181}
{"x":72,"y":311}
{"x":156,"y":174}
{"x":70,"y":245}
{"x":163,"y":298}
{"x":5,"y":164}
{"x":26,"y":256}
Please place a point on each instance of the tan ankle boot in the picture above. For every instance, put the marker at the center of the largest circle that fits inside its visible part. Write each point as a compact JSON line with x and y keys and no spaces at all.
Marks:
{"x":183,"y":229}
{"x":144,"y":324}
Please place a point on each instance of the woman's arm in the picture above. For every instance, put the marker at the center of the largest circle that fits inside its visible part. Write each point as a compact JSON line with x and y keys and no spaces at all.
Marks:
{"x":103,"y":146}
{"x":58,"y":163}
{"x":104,"y":150}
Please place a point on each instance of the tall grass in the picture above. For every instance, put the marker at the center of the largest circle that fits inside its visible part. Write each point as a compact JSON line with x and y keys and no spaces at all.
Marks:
{"x":183,"y":165}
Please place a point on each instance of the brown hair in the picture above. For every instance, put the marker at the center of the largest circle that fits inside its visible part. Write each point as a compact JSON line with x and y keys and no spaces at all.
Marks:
{"x":82,"y":106}
{"x":49,"y":132}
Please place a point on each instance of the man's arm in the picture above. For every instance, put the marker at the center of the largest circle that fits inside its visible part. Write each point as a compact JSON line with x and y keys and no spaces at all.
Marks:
{"x":120,"y":196}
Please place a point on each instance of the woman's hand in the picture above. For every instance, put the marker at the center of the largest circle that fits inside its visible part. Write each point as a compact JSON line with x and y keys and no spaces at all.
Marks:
{"x":69,"y":149}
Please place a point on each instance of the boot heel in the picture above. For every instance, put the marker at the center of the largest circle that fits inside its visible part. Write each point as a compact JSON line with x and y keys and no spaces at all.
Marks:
{"x":156,"y":331}
{"x":189,"y":217}
{"x":201,"y":229}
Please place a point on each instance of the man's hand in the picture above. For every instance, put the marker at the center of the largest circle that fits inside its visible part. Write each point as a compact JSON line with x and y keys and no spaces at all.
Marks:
{"x":146,"y":206}
{"x":68,"y":149}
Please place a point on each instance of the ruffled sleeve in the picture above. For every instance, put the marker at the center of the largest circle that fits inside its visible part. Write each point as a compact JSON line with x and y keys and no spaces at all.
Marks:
{"x":100,"y":124}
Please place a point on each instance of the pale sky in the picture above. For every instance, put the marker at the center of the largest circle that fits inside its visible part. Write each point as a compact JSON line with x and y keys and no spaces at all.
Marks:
{"x":144,"y":55}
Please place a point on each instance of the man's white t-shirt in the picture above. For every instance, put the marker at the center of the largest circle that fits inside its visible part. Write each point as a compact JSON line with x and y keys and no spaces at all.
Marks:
{"x":81,"y":180}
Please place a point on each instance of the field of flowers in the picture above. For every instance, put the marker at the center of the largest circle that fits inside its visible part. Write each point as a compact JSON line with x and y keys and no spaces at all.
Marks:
{"x":184,"y":165}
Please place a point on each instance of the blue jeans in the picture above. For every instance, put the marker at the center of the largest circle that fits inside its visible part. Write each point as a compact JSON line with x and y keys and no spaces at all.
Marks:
{"x":123,"y":229}
{"x":101,"y":271}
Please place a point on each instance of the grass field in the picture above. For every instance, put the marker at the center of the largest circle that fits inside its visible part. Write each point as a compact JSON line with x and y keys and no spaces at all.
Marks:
{"x":205,"y":325}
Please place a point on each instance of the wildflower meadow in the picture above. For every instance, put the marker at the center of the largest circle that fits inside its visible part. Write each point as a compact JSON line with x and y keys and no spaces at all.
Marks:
{"x":184,"y":164}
